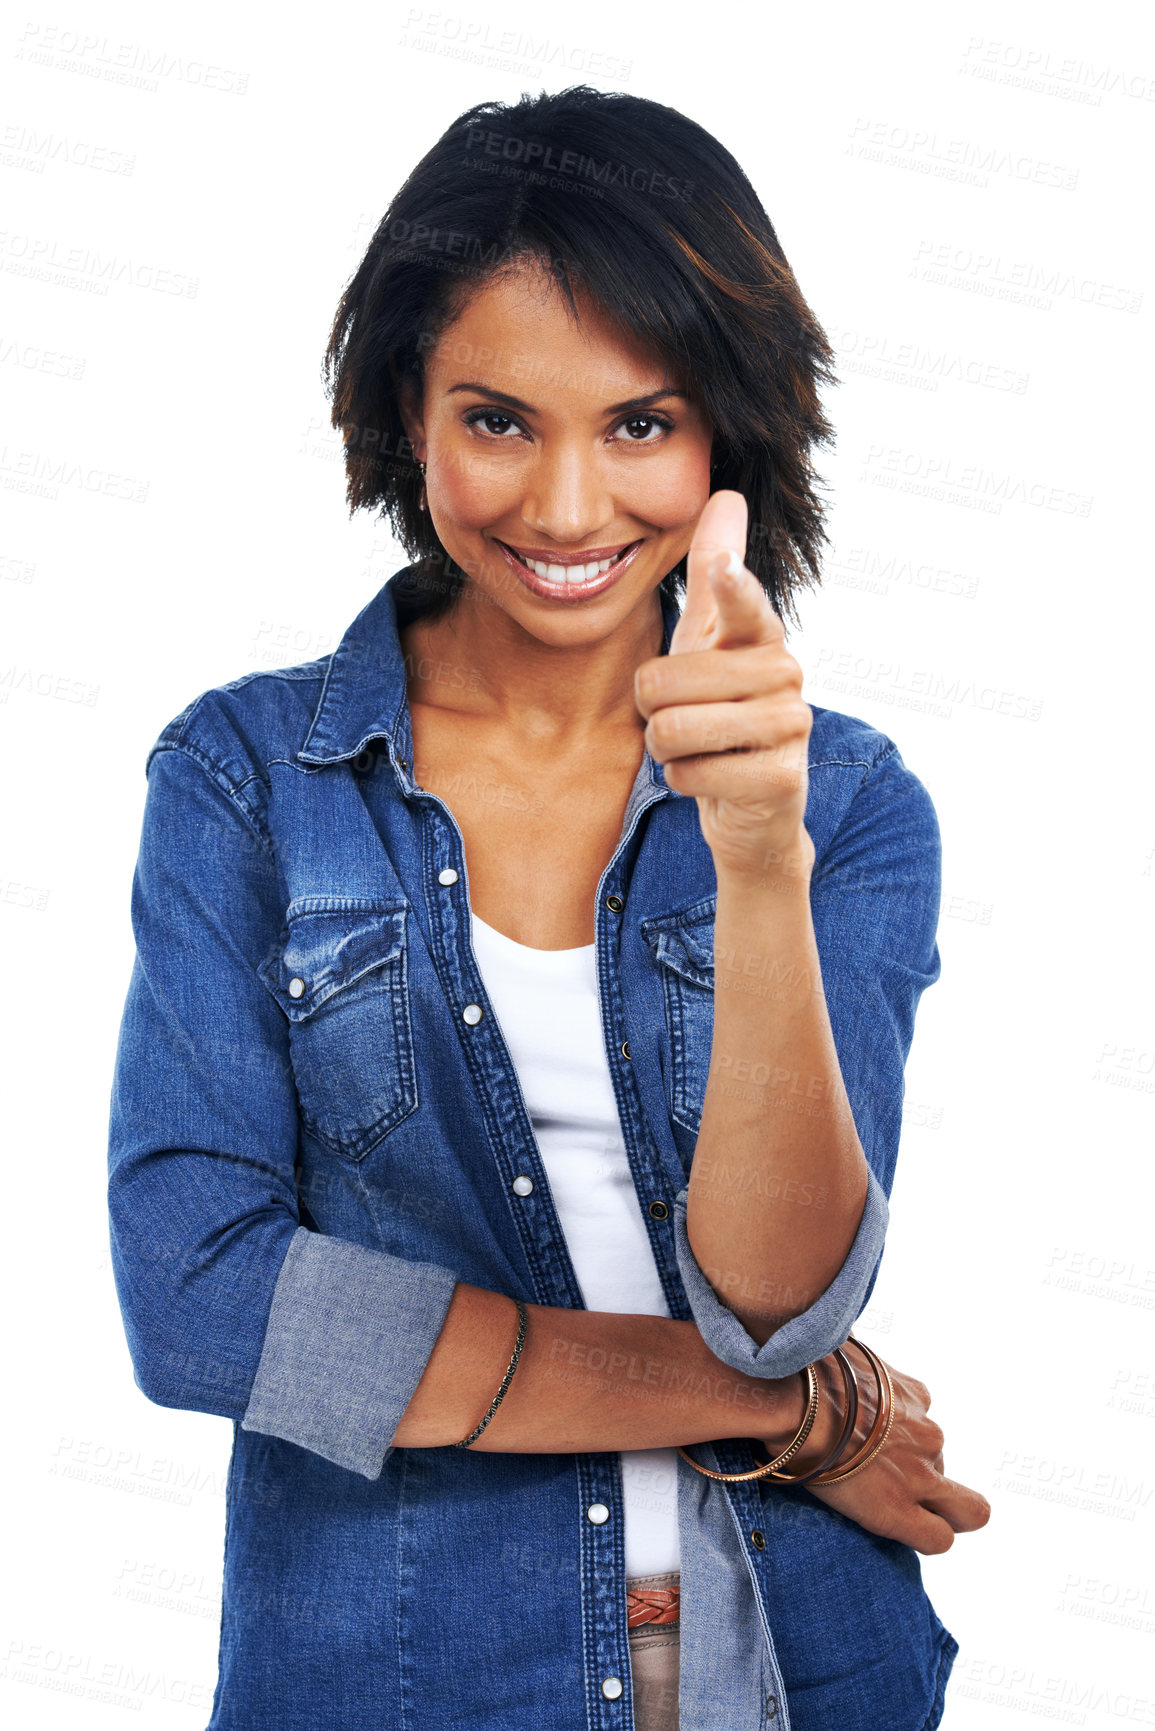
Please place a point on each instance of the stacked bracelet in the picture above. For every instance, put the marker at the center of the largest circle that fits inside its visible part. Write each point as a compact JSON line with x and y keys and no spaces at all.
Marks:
{"x":828,"y":1471}
{"x":879,"y":1430}
{"x":850,"y":1384}
{"x":505,"y":1381}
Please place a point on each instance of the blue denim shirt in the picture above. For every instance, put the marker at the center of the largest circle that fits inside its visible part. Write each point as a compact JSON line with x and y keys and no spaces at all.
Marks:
{"x":314,"y":1135}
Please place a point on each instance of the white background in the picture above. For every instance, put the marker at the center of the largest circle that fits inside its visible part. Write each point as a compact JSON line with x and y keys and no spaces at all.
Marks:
{"x":960,"y":190}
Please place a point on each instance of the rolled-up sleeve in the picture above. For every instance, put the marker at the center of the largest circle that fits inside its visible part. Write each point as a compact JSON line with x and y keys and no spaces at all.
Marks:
{"x":875,"y":897}
{"x":230,"y":1305}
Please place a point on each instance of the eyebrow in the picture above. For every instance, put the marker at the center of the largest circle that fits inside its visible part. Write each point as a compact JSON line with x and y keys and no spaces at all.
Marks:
{"x":527,"y":409}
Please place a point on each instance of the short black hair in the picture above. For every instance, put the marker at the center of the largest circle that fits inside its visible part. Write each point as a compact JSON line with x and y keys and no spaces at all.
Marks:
{"x":648,"y":214}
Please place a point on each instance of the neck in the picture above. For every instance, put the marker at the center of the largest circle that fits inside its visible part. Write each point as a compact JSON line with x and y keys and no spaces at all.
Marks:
{"x":477,"y":659}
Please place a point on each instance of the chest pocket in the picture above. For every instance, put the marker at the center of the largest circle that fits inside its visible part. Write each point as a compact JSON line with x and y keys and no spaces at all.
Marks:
{"x":683,"y":947}
{"x":340,"y":974}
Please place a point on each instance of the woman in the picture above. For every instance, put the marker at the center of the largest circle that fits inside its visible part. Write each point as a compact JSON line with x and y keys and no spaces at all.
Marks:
{"x":509,"y":1086}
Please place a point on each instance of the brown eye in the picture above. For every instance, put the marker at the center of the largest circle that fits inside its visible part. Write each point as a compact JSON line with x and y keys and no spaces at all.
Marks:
{"x":647,"y":423}
{"x":483,"y":418}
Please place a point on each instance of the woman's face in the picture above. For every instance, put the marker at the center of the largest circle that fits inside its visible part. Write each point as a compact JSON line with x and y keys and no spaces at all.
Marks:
{"x":565,"y":444}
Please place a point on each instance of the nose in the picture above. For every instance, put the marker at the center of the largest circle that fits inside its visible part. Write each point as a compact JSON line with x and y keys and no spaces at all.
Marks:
{"x":567,"y":497}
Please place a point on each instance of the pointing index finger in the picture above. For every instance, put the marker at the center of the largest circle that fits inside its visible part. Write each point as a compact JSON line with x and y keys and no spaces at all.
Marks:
{"x":745,"y":615}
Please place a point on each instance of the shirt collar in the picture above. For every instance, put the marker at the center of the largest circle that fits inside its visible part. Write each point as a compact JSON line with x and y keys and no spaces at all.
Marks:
{"x":365,"y":695}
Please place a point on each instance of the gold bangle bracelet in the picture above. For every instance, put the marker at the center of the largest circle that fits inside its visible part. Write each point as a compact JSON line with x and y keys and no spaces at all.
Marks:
{"x":788,"y":1452}
{"x":883,"y":1421}
{"x":850,"y":1389}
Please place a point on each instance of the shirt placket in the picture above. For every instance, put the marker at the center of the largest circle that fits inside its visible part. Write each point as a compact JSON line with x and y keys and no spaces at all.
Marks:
{"x":521,"y":1172}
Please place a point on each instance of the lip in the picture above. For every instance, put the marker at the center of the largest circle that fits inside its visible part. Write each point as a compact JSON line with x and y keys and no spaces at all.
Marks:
{"x":571,"y":591}
{"x":550,"y":555}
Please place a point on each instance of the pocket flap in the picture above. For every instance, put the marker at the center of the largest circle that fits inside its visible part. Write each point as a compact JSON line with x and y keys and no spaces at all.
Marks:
{"x":685,"y":941}
{"x":327,"y":945}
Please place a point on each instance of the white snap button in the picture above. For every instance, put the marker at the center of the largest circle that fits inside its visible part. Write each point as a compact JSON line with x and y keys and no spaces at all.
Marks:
{"x":472,"y":1014}
{"x":522,"y":1186}
{"x":612,"y":1688}
{"x":598,"y":1514}
{"x":296,"y":988}
{"x":448,"y":876}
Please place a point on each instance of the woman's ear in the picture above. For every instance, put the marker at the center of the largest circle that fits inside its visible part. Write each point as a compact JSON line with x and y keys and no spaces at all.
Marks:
{"x":412,"y":419}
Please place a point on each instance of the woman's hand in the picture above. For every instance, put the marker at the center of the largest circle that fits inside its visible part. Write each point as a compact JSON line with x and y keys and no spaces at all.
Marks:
{"x":903,"y":1494}
{"x":724,"y":709}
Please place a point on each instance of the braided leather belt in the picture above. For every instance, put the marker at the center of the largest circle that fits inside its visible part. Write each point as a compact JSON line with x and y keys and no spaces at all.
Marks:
{"x":652,"y":1605}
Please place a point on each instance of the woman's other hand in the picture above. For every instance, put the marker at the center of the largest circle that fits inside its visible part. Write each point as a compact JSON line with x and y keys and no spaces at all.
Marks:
{"x":904,"y":1493}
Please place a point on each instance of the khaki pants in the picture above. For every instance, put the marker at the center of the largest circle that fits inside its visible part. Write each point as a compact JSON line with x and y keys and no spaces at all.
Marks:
{"x":654,"y":1664}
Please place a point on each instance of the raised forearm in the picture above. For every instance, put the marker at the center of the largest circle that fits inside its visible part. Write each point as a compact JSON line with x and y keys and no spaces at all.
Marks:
{"x":586,"y":1381}
{"x":779,"y":1178}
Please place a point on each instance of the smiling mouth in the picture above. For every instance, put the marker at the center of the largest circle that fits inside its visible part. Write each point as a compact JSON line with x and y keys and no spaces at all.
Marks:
{"x":570,"y":571}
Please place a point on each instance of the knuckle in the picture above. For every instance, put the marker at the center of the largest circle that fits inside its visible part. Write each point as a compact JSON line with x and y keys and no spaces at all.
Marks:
{"x":648,"y":682}
{"x":665,"y":727}
{"x":785,"y":713}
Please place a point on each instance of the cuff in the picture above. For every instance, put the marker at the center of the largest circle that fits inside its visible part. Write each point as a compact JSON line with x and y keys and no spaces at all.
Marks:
{"x":348,"y":1338}
{"x":806,"y":1337}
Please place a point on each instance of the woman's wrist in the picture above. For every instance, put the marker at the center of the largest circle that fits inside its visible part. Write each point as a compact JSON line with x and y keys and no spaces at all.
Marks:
{"x":828,"y":1425}
{"x":736,"y":1405}
{"x":839,"y":1431}
{"x":785,"y":868}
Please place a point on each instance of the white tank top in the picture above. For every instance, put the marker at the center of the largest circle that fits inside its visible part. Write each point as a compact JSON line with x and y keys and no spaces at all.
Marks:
{"x":547,"y":1007}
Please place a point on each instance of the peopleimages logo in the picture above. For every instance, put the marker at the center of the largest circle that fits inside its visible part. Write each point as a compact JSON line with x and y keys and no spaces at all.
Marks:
{"x":878,"y":355}
{"x":481,"y":43}
{"x":135,"y":64}
{"x":923,"y":688}
{"x":943,"y":479}
{"x":1064,"y":75}
{"x":960,"y":159}
{"x":542,"y":158}
{"x":26,"y":147}
{"x":43,"y":475}
{"x":47,"y":259}
{"x":1019,"y":280}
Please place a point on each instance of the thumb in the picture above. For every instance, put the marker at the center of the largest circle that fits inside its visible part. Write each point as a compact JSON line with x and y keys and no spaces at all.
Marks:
{"x":720,"y":528}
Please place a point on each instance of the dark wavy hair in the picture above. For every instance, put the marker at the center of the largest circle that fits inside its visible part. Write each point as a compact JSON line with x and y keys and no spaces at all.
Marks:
{"x":646,"y":212}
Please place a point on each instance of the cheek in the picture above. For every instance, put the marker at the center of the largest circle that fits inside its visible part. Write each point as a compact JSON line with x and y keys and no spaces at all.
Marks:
{"x":672,"y":492}
{"x":472,"y":491}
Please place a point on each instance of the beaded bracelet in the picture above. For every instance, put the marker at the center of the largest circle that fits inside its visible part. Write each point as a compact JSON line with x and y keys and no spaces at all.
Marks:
{"x":505,"y":1381}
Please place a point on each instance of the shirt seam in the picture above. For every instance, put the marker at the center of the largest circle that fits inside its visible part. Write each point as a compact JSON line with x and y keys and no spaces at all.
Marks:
{"x":223,"y":782}
{"x":300,"y":670}
{"x":888,"y":750}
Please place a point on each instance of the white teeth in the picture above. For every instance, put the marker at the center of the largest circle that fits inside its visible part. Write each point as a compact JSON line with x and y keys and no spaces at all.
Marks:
{"x":569,"y":573}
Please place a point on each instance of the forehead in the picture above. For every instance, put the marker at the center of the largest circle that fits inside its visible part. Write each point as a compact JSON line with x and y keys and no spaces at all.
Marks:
{"x":519,"y":325}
